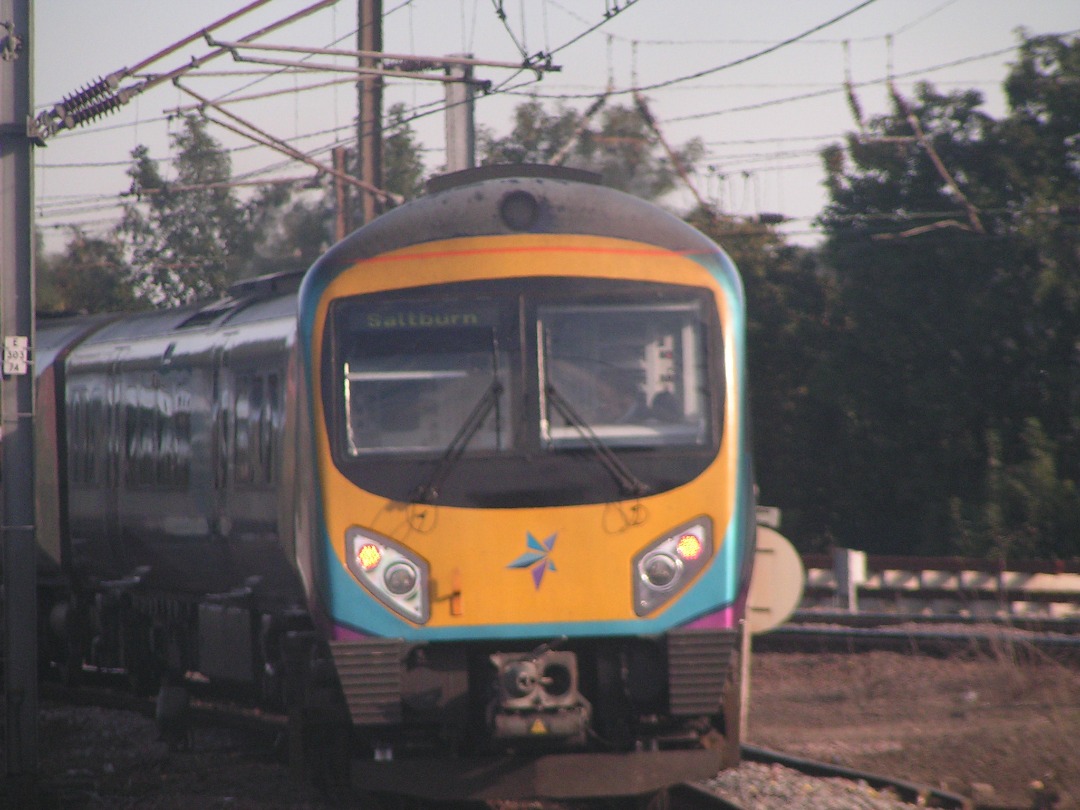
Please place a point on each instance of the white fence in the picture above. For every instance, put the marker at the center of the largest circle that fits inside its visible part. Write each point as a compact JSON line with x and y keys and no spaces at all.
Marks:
{"x":853,"y":581}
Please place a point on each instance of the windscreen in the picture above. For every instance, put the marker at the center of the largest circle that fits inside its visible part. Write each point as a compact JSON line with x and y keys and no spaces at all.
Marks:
{"x":630,"y":374}
{"x":524,"y":391}
{"x":417,"y":374}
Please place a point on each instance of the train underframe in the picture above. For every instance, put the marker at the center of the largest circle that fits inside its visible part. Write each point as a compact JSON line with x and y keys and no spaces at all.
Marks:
{"x":569,"y":717}
{"x":492,"y":719}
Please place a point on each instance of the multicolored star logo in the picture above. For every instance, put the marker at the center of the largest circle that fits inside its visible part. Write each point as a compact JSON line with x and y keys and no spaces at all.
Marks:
{"x":537,"y":559}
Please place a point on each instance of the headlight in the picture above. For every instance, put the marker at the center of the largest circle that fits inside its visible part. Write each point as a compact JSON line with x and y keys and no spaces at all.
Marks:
{"x":393,"y":574}
{"x":665,"y":566}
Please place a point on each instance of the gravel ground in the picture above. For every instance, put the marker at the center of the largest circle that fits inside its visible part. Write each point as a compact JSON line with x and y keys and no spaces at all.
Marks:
{"x":999,"y":728}
{"x":106,"y":758}
{"x":757,"y":786}
{"x":988,"y":728}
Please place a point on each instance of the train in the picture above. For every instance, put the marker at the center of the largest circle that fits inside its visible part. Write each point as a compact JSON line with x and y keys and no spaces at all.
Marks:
{"x":471,"y":496}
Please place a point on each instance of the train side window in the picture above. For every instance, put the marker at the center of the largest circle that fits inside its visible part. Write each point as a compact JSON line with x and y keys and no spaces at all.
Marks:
{"x":268,"y":428}
{"x":164,"y":438}
{"x":76,"y":435}
{"x":254,"y":430}
{"x":131,"y":433}
{"x":182,"y":432}
{"x":93,"y":419}
{"x":243,"y":469}
{"x":221,"y":426}
{"x":141,"y":422}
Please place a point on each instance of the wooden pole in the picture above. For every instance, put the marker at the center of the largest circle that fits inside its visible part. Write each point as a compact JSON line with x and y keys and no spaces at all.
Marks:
{"x":369,"y":88}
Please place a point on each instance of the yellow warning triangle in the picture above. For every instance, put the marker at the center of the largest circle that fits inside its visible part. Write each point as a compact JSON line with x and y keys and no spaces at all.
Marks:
{"x":538,"y":727}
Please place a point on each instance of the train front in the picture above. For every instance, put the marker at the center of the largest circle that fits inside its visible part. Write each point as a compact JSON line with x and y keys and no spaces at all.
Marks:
{"x":531,"y":501}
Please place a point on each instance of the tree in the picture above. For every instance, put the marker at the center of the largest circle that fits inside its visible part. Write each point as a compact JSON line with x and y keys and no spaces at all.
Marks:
{"x":89,"y":277}
{"x":537,"y":135}
{"x":188,"y":238}
{"x":290,"y":227}
{"x":956,"y":317}
{"x":403,"y":166}
{"x":623,"y":149}
{"x":1041,"y":141}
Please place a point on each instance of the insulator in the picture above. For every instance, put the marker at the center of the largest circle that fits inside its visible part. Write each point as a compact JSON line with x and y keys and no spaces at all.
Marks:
{"x":95,"y":110}
{"x":84,"y":98}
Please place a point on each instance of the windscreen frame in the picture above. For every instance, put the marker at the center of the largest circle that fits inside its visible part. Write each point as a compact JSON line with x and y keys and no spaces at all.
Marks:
{"x":529,"y":462}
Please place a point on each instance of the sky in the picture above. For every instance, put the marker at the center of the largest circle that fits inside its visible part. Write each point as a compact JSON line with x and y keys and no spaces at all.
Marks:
{"x":761,"y":84}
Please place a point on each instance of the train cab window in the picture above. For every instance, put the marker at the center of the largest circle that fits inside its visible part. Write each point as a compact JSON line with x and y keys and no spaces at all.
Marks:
{"x":524,"y":391}
{"x":632,"y":375}
{"x":422,"y":376}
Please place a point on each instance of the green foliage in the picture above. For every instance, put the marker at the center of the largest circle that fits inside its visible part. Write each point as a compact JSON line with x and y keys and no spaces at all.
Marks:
{"x":190,"y":238}
{"x":403,"y":166}
{"x":955,"y":358}
{"x":537,"y":136}
{"x":1029,"y":510}
{"x":89,"y":277}
{"x":621,"y":147}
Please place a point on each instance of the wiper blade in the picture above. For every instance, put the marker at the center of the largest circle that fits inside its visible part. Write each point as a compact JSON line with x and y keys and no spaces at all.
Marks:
{"x":629,"y":483}
{"x":428,"y":492}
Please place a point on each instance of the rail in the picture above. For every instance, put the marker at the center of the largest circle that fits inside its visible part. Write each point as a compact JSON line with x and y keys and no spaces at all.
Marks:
{"x":964,"y":587}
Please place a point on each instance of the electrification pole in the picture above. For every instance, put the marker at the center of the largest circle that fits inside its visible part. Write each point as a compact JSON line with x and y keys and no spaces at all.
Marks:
{"x":17,"y":404}
{"x":369,"y":122}
{"x":460,"y":122}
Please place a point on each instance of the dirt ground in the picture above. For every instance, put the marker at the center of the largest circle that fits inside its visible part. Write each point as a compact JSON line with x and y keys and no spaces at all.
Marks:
{"x":1002,"y":728}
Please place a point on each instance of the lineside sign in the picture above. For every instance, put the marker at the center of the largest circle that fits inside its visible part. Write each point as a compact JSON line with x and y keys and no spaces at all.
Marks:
{"x":16,"y":355}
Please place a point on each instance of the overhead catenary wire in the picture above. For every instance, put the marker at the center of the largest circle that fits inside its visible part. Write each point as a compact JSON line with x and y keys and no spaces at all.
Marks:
{"x":95,"y":105}
{"x":676,"y":161}
{"x":80,"y":105}
{"x":436,"y":108}
{"x":671,"y":120}
{"x":249,"y":130}
{"x":757,"y":54}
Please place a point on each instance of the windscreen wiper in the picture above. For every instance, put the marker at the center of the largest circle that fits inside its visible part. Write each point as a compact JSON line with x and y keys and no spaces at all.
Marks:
{"x":428,"y":492}
{"x":629,"y":483}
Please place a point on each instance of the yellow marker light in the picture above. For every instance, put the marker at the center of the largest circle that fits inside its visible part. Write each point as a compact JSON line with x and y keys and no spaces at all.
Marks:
{"x":368,"y":555}
{"x":689,"y":547}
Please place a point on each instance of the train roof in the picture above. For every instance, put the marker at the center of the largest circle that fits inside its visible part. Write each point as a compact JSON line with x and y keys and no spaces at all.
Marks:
{"x":53,"y":335}
{"x":515,"y":199}
{"x":247,"y":301}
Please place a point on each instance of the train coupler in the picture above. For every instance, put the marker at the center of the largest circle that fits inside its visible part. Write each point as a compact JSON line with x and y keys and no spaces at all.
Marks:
{"x":537,"y":697}
{"x":565,"y":724}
